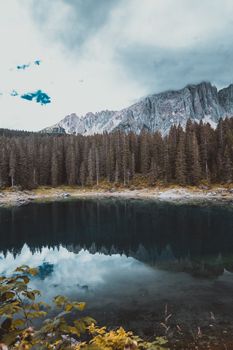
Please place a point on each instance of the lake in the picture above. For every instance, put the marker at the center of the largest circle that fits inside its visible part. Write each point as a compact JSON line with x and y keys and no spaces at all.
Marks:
{"x":130,"y":260}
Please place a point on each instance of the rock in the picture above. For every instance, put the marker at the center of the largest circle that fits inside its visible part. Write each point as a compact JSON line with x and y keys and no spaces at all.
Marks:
{"x":112,"y":190}
{"x":65,"y":195}
{"x":155,"y":112}
{"x":16,"y":188}
{"x":21,"y":201}
{"x":204,"y":187}
{"x":226,"y":99}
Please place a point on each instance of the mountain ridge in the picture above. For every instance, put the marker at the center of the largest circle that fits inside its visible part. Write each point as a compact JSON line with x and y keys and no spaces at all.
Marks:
{"x":155,"y":112}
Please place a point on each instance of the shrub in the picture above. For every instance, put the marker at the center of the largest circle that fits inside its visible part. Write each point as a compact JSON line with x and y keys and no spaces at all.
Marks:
{"x":19,"y":309}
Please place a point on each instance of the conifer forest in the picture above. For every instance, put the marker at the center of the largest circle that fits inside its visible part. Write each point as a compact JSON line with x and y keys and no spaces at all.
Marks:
{"x":198,"y":154}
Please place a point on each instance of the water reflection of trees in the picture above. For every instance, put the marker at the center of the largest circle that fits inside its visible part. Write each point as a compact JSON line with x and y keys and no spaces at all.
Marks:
{"x":195,"y":239}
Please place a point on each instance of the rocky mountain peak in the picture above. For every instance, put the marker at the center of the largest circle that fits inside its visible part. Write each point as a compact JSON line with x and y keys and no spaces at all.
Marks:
{"x":226,"y":99}
{"x":156,"y":112}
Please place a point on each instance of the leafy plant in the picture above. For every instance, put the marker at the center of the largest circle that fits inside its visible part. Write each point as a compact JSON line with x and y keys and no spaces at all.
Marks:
{"x":19,"y":310}
{"x":118,"y":339}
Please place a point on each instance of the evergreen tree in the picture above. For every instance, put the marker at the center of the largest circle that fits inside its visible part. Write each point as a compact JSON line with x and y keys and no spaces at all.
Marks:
{"x":4,"y":168}
{"x":12,"y":164}
{"x":180,"y":170}
{"x":97,"y":165}
{"x":90,"y":166}
{"x":70,"y":162}
{"x":54,"y":165}
{"x":195,"y":162}
{"x":185,"y":157}
{"x":228,"y":166}
{"x":82,"y":174}
{"x":144,"y":153}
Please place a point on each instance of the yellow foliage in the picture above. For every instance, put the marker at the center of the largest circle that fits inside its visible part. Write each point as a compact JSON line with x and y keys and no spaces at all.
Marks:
{"x":18,"y":309}
{"x":118,"y":339}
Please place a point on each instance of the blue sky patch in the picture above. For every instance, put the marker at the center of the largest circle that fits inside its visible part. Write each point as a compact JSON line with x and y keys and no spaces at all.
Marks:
{"x":37,"y":62}
{"x":38,"y":96}
{"x":23,"y":66}
{"x":14,"y":93}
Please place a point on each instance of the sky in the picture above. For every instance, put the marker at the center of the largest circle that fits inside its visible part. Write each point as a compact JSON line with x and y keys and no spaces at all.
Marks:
{"x":59,"y":57}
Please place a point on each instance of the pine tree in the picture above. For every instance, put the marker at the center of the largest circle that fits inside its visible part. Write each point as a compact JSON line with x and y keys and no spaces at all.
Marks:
{"x":90,"y":166}
{"x":54,"y":165}
{"x":4,"y":168}
{"x":180,"y":170}
{"x":204,"y":150}
{"x":195,"y":162}
{"x":109,"y":161}
{"x":132,"y":166}
{"x":116,"y":172}
{"x":167,"y":166}
{"x":199,"y":152}
{"x":70,"y":162}
{"x":172,"y":143}
{"x":97,"y":166}
{"x":144,"y":153}
{"x":12,"y":165}
{"x":125,"y":159}
{"x":228,"y":166}
{"x":153,"y":172}
{"x":83,"y":174}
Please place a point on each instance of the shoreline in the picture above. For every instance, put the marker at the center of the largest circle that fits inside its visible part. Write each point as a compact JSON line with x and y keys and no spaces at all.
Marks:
{"x":14,"y":197}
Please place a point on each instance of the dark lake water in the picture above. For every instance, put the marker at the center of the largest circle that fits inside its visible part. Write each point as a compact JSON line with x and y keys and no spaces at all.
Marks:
{"x":128,"y":259}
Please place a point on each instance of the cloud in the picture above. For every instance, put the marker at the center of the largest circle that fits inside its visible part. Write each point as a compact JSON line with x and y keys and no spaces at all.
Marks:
{"x":158,"y":45}
{"x":165,"y":69}
{"x":72,"y":22}
{"x":165,"y":45}
{"x":120,"y":50}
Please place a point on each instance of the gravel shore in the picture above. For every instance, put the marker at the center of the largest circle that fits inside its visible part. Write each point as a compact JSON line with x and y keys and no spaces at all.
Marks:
{"x":16,"y":197}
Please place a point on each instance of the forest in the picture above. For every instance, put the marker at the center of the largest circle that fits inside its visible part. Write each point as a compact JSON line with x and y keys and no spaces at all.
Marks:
{"x":198,"y":154}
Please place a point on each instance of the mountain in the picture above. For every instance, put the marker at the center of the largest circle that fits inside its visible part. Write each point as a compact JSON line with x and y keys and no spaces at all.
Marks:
{"x":155,"y":112}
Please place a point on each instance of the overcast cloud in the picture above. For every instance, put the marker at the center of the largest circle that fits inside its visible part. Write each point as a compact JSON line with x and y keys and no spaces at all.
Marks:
{"x":105,"y":54}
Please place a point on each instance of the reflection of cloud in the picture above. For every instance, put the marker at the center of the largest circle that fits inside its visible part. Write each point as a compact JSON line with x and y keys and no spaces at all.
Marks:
{"x":45,"y":270}
{"x":68,"y":271}
{"x":39,"y":96}
{"x":118,"y":289}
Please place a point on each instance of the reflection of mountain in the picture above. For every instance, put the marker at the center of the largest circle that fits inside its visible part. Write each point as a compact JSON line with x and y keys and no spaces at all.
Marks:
{"x":185,"y":238}
{"x":199,"y":266}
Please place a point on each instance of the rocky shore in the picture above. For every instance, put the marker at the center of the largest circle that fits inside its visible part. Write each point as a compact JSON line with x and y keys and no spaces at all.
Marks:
{"x":177,"y":194}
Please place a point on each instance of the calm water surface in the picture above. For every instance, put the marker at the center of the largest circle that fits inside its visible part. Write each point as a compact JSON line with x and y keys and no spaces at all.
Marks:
{"x":127,"y":259}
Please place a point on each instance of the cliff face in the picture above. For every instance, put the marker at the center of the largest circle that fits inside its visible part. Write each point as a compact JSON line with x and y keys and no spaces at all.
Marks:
{"x":156,"y":112}
{"x":226,"y":99}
